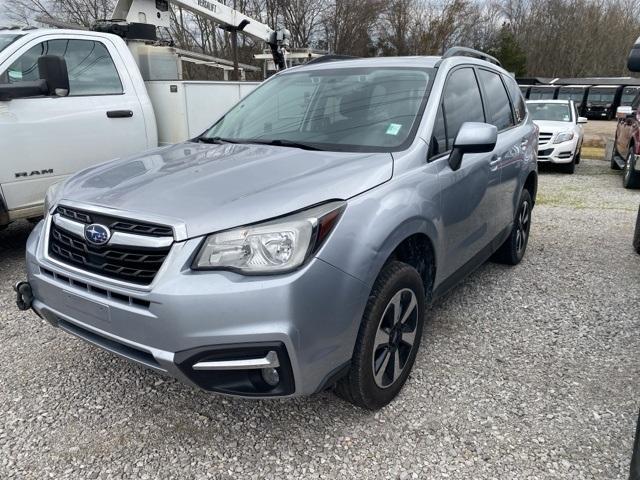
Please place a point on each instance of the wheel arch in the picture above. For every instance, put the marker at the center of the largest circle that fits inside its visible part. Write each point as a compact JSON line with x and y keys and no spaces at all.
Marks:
{"x":531,"y":185}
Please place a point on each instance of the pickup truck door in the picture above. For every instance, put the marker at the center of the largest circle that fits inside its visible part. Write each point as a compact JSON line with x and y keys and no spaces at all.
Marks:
{"x":44,"y":139}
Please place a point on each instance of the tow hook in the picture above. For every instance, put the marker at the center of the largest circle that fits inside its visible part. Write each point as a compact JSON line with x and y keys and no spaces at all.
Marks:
{"x":24,"y":295}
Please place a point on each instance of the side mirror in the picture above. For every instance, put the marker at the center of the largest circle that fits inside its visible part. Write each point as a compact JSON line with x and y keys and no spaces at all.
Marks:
{"x":623,"y":112}
{"x":54,"y":81}
{"x":633,"y":62}
{"x":473,"y":137}
{"x":582,"y":119}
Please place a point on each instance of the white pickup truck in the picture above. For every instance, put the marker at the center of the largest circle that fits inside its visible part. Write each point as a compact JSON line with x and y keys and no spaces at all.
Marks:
{"x":119,"y":98}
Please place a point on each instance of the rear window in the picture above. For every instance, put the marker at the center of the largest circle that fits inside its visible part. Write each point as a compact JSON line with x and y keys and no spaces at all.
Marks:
{"x":497,"y":100}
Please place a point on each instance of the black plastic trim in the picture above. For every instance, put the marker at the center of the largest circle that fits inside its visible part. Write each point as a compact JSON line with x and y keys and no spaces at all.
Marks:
{"x":333,"y":376}
{"x":247,"y":383}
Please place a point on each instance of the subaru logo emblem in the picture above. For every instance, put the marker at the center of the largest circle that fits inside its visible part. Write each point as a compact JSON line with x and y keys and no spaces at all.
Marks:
{"x":97,"y":234}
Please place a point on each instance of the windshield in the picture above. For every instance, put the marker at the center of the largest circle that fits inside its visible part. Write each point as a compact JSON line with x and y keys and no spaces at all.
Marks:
{"x":557,"y":112}
{"x":601,"y":97}
{"x":541,"y":95}
{"x":344,"y":109}
{"x":575,"y":96}
{"x":628,"y":97}
{"x":6,"y":40}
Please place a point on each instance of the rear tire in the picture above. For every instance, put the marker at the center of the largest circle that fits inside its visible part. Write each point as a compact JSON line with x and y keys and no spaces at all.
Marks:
{"x":630,"y":177}
{"x":513,"y":249}
{"x":636,"y":235}
{"x":388,"y":339}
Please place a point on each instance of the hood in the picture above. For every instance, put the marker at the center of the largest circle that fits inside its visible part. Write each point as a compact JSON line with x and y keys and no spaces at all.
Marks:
{"x":215,"y":187}
{"x":553,"y":126}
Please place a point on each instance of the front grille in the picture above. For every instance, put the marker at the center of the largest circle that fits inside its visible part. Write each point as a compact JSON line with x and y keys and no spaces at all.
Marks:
{"x":115,"y":224}
{"x":545,"y":153}
{"x":130,"y":264}
{"x":544,"y":137}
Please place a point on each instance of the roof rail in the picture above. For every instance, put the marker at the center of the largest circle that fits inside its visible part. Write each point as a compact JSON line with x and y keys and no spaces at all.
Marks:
{"x":329,"y":58}
{"x":470,"y":52}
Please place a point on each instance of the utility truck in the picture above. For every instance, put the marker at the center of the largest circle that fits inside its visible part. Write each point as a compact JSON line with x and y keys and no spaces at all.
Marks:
{"x":72,"y":98}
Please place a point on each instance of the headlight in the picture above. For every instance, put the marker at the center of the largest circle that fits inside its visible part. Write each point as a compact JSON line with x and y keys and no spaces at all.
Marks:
{"x":563,"y":137}
{"x":276,"y":246}
{"x":53,"y":196}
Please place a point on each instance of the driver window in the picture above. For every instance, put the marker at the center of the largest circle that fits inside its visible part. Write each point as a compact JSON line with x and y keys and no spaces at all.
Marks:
{"x":91,"y":69}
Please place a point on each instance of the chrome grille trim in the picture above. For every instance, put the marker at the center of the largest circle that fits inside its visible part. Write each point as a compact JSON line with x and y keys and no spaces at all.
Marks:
{"x":117,"y":238}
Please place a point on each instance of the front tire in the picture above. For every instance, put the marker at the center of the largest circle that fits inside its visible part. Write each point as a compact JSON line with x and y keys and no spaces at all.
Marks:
{"x":512,"y":250}
{"x":568,"y":168}
{"x":388,"y":339}
{"x":630,"y":177}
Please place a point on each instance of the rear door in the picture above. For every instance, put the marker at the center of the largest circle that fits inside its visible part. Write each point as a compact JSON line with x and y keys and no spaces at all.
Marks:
{"x":469,"y":193}
{"x":513,"y":140}
{"x":44,"y":139}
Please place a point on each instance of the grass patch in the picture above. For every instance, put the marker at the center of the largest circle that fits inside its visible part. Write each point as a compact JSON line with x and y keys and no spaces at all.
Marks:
{"x":559,"y":200}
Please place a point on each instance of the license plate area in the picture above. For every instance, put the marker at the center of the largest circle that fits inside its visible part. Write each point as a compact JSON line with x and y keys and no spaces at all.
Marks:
{"x":88,"y":308}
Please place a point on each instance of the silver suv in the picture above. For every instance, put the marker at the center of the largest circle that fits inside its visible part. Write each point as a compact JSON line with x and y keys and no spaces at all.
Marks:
{"x":295,"y":245}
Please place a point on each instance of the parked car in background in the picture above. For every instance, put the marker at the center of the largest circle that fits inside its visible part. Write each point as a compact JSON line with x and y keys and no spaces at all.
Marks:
{"x":577,"y":93}
{"x":524,"y":89}
{"x":629,"y":94}
{"x":626,"y":145}
{"x":543,"y":92}
{"x":602,"y":101}
{"x":295,"y":244}
{"x":561,"y":133}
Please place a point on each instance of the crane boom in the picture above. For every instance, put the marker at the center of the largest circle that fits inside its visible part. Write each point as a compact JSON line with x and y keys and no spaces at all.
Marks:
{"x":156,"y":12}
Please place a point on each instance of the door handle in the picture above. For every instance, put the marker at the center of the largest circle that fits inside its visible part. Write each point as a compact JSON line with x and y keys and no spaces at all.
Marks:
{"x":119,"y":114}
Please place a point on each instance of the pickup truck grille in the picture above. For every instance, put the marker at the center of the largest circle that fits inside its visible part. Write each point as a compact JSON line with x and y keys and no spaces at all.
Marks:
{"x":544,"y":137}
{"x":132,"y":264}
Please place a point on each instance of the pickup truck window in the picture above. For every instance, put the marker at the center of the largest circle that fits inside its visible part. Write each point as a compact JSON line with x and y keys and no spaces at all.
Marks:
{"x":6,"y":40}
{"x":342,"y":109}
{"x":91,"y":69}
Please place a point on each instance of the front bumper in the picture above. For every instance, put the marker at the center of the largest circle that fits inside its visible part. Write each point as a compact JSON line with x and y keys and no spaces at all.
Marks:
{"x":558,"y":152}
{"x":310,"y":318}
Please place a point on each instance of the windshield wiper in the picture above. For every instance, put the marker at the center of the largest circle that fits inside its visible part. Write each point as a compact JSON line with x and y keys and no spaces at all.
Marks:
{"x":284,"y":143}
{"x":218,"y":140}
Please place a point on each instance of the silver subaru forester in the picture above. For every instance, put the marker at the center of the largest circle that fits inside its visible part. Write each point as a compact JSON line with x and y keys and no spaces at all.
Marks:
{"x":295,"y":245}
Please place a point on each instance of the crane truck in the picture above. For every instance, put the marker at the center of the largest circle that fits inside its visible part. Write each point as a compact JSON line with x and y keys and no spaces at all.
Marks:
{"x":71,"y":98}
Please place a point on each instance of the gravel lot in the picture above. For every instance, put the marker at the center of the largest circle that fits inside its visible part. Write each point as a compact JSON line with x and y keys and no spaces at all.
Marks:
{"x":525,"y":373}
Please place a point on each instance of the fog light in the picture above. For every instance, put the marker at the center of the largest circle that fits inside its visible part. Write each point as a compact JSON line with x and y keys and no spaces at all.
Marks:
{"x":271,"y":376}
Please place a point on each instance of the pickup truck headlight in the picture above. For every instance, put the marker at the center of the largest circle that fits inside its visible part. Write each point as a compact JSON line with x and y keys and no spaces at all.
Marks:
{"x":276,"y":246}
{"x":564,"y":137}
{"x":54,"y":192}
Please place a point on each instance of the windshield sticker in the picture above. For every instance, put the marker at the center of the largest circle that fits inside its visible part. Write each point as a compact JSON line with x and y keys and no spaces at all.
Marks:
{"x":565,"y":118}
{"x":15,"y":74}
{"x":393,"y":128}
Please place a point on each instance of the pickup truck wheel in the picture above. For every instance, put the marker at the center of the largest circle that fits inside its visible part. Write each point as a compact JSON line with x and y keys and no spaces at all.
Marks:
{"x":514,"y":247}
{"x":388,"y":339}
{"x":636,"y":235}
{"x":630,"y":177}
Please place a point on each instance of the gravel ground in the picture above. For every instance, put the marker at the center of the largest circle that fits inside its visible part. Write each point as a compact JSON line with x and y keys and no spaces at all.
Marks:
{"x":525,"y":373}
